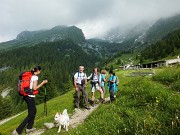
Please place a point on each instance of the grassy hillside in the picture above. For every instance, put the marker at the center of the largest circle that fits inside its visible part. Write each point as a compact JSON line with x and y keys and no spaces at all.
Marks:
{"x":55,"y":105}
{"x":143,"y":106}
{"x":123,"y":59}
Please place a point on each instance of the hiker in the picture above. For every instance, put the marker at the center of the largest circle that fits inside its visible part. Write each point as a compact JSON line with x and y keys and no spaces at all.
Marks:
{"x":95,"y":78}
{"x":116,"y":83}
{"x":29,"y":99}
{"x":80,"y":81}
{"x":103,"y":80}
{"x":112,"y":85}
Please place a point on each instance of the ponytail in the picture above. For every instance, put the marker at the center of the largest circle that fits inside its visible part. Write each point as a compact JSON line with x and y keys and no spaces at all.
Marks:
{"x":36,"y":69}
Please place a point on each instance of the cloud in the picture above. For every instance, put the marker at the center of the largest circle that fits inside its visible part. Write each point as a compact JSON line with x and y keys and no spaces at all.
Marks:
{"x":95,"y":17}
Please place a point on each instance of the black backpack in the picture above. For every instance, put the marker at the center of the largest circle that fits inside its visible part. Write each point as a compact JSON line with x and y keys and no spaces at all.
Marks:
{"x":92,"y":77}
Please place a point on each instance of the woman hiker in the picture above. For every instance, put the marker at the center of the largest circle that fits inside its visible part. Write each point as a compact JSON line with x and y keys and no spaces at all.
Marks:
{"x":112,"y":85}
{"x":103,"y":81}
{"x":29,"y":120}
{"x":95,"y":78}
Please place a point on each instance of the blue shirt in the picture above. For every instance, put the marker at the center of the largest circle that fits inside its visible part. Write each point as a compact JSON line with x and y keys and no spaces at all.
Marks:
{"x":112,"y":78}
{"x":102,"y":80}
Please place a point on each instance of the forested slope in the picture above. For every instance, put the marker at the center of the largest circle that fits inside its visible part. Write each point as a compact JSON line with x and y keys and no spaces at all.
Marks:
{"x":169,"y":45}
{"x":58,"y":61}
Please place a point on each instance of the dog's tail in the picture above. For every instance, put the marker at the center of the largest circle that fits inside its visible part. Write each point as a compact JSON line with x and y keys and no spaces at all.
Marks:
{"x":65,"y":112}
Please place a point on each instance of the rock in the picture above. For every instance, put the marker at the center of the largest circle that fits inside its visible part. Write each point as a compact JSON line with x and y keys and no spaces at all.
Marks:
{"x":49,"y":125}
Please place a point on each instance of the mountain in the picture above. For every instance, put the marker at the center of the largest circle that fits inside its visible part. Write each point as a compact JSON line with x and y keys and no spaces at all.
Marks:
{"x":157,"y":31}
{"x":140,"y":36}
{"x":119,"y":35}
{"x":60,"y":58}
{"x":27,"y":38}
{"x":168,"y":46}
{"x":134,"y":38}
{"x":104,"y":47}
{"x":57,"y":33}
{"x":161,"y":28}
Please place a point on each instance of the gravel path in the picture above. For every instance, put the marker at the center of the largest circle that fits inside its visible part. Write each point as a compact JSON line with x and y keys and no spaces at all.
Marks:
{"x":76,"y":119}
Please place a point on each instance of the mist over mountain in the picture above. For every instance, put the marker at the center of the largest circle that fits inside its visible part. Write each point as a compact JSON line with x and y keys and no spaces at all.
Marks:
{"x":144,"y":33}
{"x":119,"y":39}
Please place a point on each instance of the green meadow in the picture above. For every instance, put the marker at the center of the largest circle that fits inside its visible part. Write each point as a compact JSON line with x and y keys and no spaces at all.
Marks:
{"x":144,"y":105}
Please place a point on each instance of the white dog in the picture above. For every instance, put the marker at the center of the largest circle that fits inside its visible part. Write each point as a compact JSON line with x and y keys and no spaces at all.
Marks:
{"x":62,"y":120}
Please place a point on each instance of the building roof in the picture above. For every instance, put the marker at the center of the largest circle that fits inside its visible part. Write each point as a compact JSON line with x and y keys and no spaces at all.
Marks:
{"x":154,"y":62}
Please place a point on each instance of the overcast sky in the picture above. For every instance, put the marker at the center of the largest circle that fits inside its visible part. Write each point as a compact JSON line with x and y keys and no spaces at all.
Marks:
{"x":94,"y":17}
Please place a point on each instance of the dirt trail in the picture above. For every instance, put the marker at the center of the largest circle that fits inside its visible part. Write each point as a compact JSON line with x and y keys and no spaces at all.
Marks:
{"x":80,"y":115}
{"x":8,"y":119}
{"x":76,"y":119}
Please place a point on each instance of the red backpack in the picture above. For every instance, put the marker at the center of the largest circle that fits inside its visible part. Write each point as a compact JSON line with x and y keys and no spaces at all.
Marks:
{"x":24,"y":84}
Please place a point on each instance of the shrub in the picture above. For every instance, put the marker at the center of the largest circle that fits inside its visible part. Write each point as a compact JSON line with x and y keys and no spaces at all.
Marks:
{"x":176,"y":85}
{"x":168,"y":75}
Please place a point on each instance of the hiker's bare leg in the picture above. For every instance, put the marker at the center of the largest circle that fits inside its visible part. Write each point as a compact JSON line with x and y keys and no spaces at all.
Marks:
{"x":102,"y":93}
{"x":92,"y":96}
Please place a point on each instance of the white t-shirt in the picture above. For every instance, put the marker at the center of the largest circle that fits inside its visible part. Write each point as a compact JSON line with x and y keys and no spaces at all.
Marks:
{"x":33,"y":78}
{"x":79,"y":77}
{"x":95,"y":77}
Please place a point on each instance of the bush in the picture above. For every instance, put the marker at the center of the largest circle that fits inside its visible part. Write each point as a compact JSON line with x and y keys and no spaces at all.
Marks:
{"x":176,"y":85}
{"x":168,"y":75}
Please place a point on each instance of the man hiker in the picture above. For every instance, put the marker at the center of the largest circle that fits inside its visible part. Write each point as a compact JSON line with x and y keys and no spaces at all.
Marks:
{"x":95,"y":78}
{"x":80,"y":81}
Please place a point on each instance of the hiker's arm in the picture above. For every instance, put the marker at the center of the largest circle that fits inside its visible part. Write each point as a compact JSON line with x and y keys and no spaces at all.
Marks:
{"x":35,"y":86}
{"x":113,"y":81}
{"x":99,"y":79}
{"x":89,"y":77}
{"x":104,"y":79}
{"x":85,"y":80}
{"x":75,"y":85}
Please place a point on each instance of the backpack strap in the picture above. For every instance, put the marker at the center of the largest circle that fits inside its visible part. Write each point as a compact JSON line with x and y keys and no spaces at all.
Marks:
{"x":81,"y":76}
{"x":92,"y":77}
{"x":115,"y":78}
{"x":112,"y":78}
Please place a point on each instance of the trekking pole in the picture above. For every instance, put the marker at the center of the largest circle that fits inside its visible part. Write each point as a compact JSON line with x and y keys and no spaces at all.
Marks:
{"x":45,"y":98}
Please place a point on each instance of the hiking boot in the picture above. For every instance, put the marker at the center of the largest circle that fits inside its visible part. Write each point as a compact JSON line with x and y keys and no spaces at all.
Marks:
{"x":112,"y":100}
{"x":76,"y":106}
{"x":102,"y":100}
{"x":87,"y":107}
{"x":14,"y":133}
{"x":30,"y":130}
{"x":92,"y":103}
